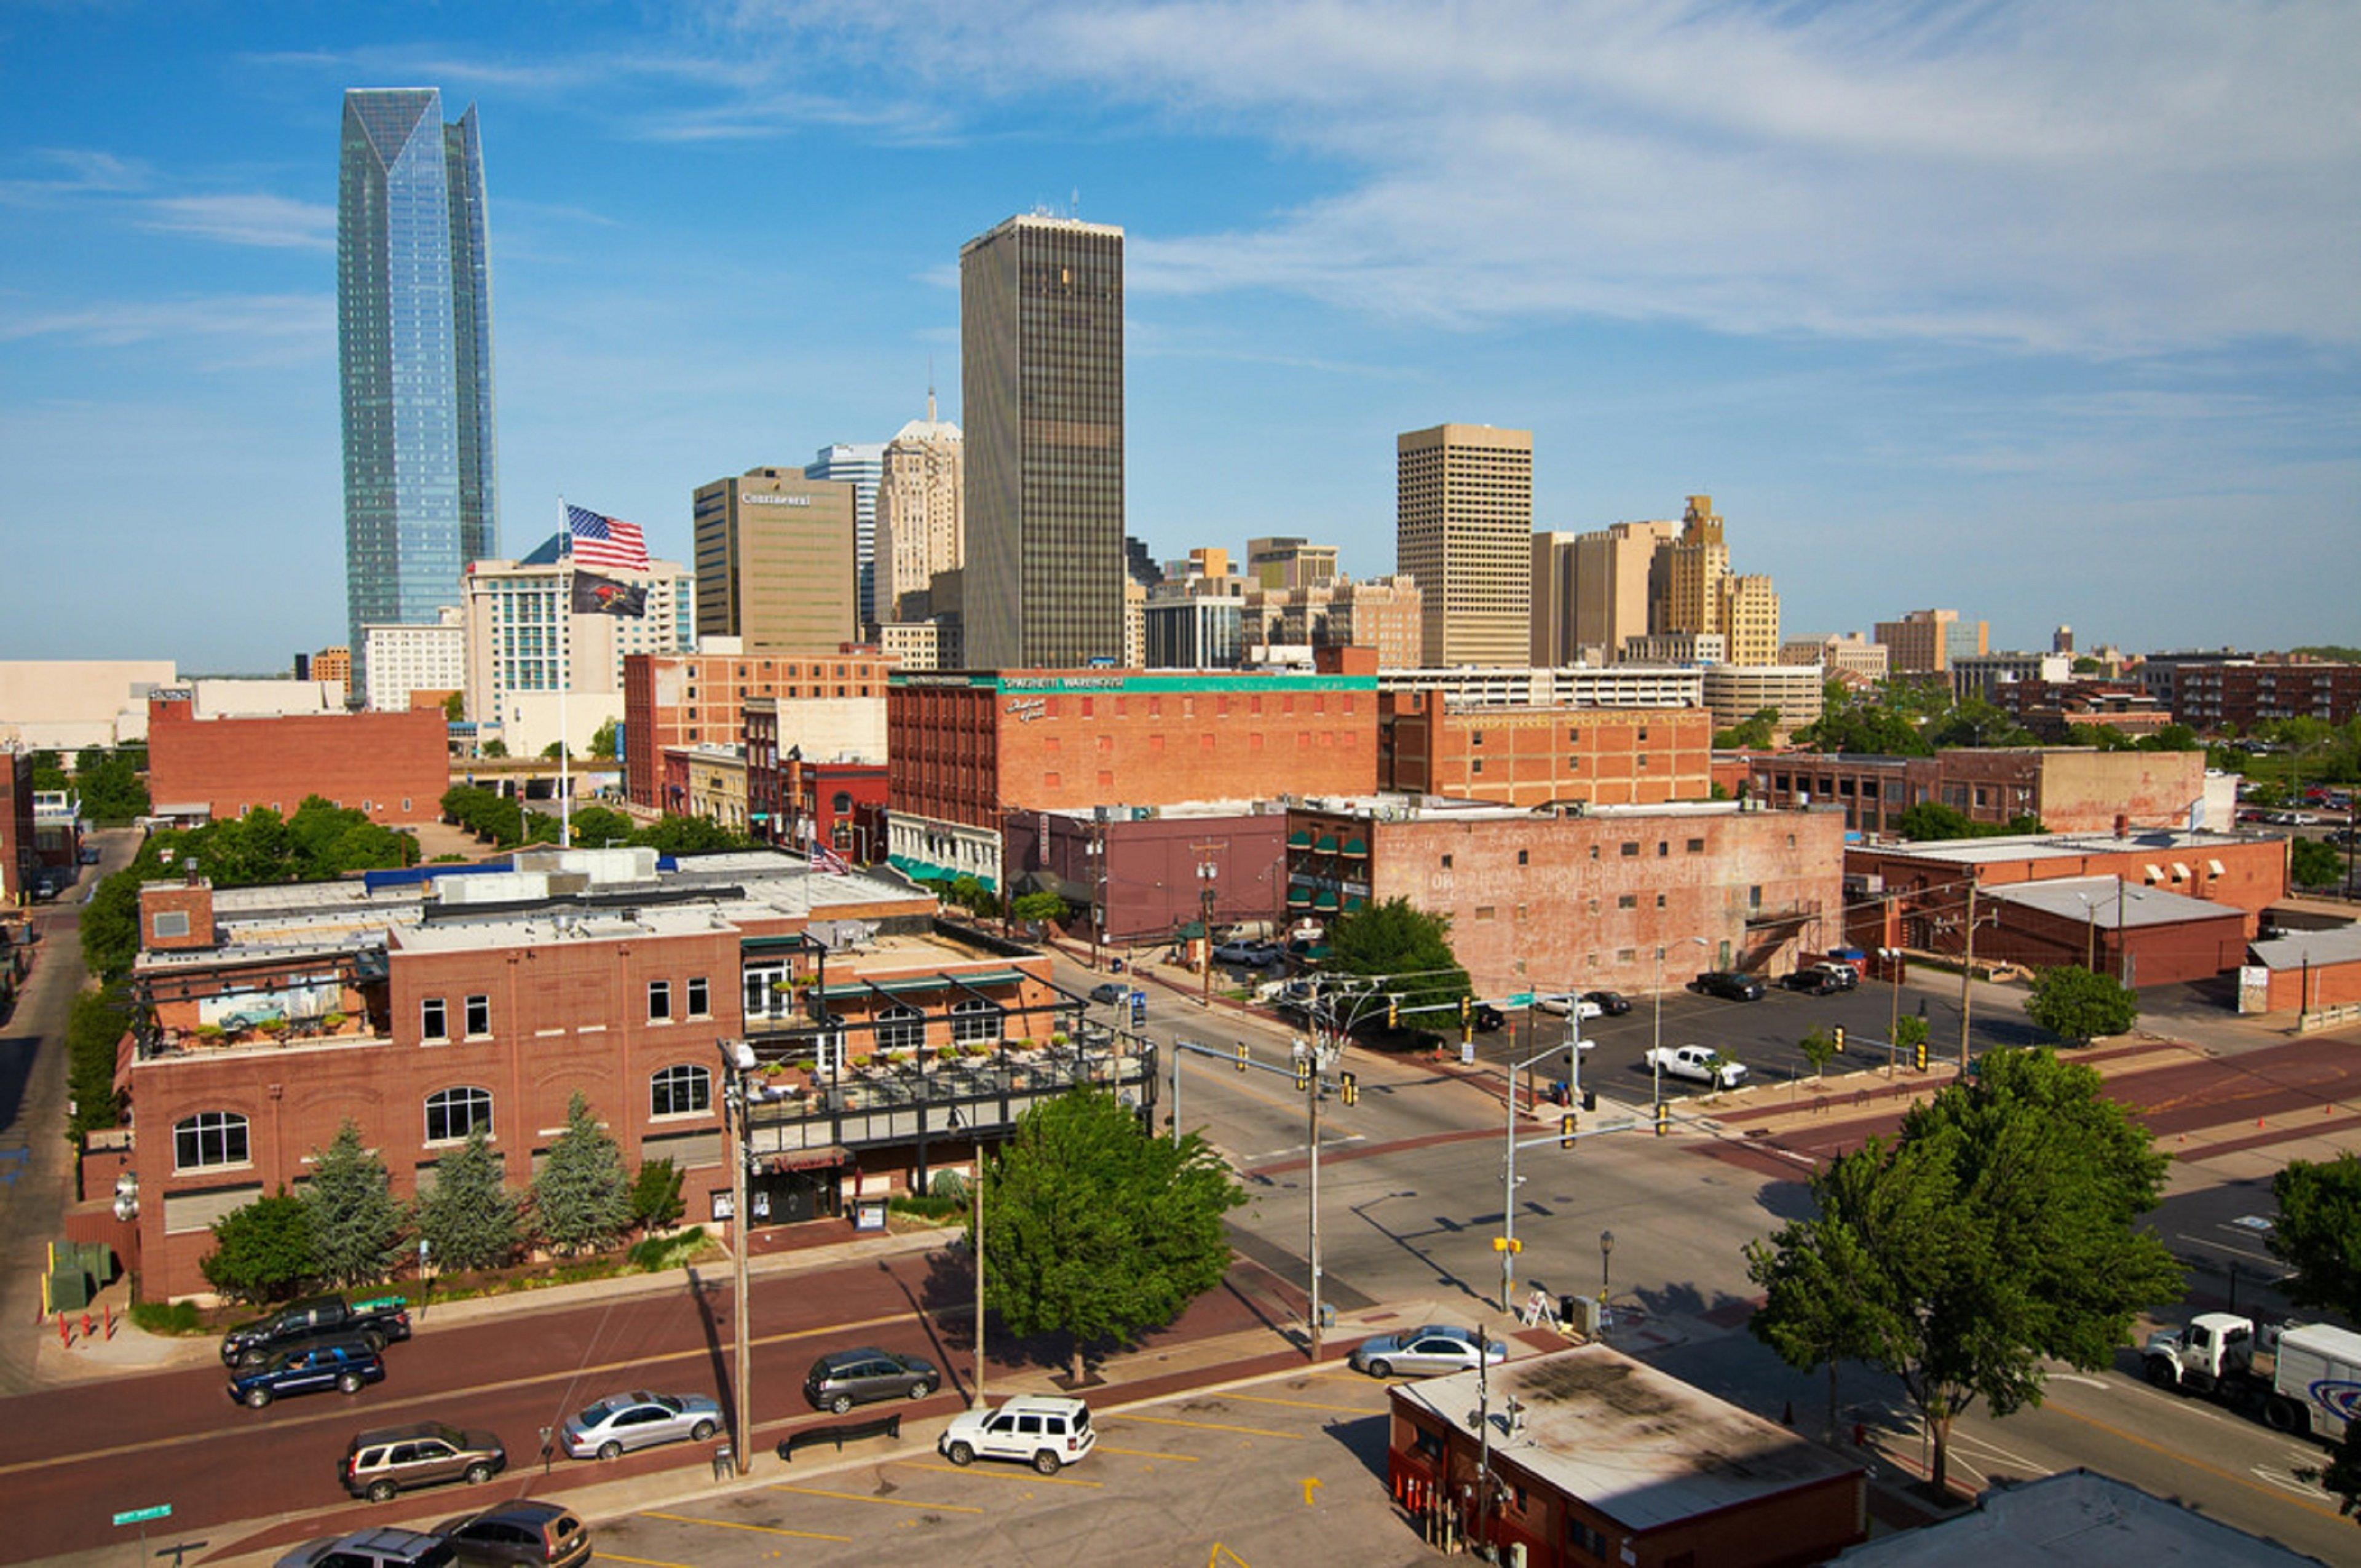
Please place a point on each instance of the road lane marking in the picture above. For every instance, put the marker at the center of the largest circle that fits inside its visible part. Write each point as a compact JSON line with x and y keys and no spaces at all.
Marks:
{"x":344,"y":1418}
{"x":1151,"y":1454}
{"x":1205,"y":1426}
{"x":883,"y":1502}
{"x":992,"y":1474}
{"x":607,"y":1556}
{"x":2230,"y":1475}
{"x":739,"y":1524}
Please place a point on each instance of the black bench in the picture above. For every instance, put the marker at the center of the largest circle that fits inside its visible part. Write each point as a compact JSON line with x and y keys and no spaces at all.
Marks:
{"x":839,"y":1434}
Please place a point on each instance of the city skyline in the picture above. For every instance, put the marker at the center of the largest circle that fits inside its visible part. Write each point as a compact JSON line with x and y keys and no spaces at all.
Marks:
{"x":2043,"y":377}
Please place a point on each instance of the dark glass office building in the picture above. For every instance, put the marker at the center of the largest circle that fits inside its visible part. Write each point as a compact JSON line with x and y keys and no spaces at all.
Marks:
{"x":1041,"y":377}
{"x":414,"y":331}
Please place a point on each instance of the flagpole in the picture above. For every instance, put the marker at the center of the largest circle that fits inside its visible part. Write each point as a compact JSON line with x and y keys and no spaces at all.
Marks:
{"x":565,"y":680}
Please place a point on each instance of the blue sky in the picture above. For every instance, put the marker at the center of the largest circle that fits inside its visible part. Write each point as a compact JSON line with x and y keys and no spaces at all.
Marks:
{"x":2043,"y":313}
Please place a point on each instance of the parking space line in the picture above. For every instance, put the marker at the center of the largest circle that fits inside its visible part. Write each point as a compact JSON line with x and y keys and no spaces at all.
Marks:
{"x":1309,"y":1405}
{"x":1028,"y":1475}
{"x":642,"y":1561}
{"x":739,"y":1524}
{"x":1205,"y":1426}
{"x":883,"y":1502}
{"x":1149,"y":1454}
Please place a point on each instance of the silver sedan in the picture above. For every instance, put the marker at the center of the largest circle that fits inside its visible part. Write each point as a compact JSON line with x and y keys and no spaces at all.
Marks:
{"x":1428,"y":1352}
{"x":624,"y":1421}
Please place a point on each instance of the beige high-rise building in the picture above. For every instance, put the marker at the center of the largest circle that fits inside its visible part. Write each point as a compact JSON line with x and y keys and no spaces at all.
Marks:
{"x":776,"y":562}
{"x":1694,"y":565}
{"x":1384,"y":613}
{"x":1290,"y":563}
{"x":1042,"y":366}
{"x":921,"y":509}
{"x":1925,"y":642}
{"x":1749,"y":613}
{"x":1553,"y":590}
{"x":1847,"y":654}
{"x":1617,"y":573}
{"x":1463,"y":528}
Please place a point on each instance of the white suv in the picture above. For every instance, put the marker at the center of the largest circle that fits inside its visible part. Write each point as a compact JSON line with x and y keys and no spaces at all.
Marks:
{"x":1041,"y":1431}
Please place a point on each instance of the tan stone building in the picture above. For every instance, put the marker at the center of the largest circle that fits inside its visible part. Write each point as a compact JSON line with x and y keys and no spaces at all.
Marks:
{"x":1464,"y":524}
{"x":1615,"y":574}
{"x":1736,"y":693}
{"x":1383,"y":613}
{"x":1847,"y":654}
{"x":921,"y":509}
{"x":776,"y":562}
{"x":1925,"y":641}
{"x":1290,"y":563}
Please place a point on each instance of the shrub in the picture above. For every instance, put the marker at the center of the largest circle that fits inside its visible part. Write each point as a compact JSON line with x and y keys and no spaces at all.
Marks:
{"x":929,"y":1207}
{"x":164,"y":1317}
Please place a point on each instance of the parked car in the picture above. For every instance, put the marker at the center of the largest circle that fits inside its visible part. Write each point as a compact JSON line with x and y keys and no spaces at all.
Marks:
{"x":384,"y":1548}
{"x":1730,"y":985}
{"x":1044,"y":1430}
{"x":425,"y":1453}
{"x":1114,"y":992}
{"x":1558,"y":1003}
{"x":639,"y":1420}
{"x":1614,"y":1004}
{"x":1429,"y":1351}
{"x":345,"y":1364}
{"x":1485,"y":1017}
{"x":1695,"y":1063}
{"x":1822,"y":980}
{"x":843,"y":1378}
{"x":386,"y":1317}
{"x":1253,"y":955}
{"x":537,"y":1535}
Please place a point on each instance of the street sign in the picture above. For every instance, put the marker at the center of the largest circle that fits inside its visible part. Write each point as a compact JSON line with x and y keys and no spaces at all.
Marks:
{"x":1516,"y":999}
{"x":141,"y":1516}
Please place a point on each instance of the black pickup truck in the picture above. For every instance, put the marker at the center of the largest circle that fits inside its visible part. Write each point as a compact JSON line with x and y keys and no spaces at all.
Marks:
{"x":382,"y":1319}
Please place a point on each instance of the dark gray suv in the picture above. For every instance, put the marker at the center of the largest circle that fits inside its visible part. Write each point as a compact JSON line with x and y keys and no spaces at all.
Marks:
{"x":387,"y":1547}
{"x":843,"y":1378}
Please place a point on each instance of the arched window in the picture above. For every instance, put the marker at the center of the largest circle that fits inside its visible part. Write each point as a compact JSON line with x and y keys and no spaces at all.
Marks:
{"x":681,"y":1091}
{"x":901,"y":1028}
{"x":976,"y":1019}
{"x":453,"y":1113}
{"x":209,"y":1138}
{"x":840,"y":803}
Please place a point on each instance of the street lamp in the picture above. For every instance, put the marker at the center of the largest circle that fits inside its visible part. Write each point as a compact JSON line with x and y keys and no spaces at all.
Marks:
{"x":1606,"y":1255}
{"x":737,"y":1061}
{"x":1209,"y":872}
{"x":1508,"y":1241}
{"x":1656,"y":1056}
{"x":1094,"y":849}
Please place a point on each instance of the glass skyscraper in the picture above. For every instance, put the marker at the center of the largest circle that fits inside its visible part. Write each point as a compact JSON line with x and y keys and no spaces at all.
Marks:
{"x":414,"y":331}
{"x":861,"y":465}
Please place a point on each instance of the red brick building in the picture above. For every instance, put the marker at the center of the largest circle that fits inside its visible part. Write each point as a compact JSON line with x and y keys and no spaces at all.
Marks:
{"x":2215,"y":695}
{"x":393,"y":766}
{"x":2142,"y":935}
{"x":2068,"y":789}
{"x":19,"y":854}
{"x":792,"y":800}
{"x":2310,"y":973}
{"x":1583,"y":901}
{"x":1543,"y":756}
{"x":423,"y":1004}
{"x":682,"y":701}
{"x":1133,"y":874}
{"x":964,"y":750}
{"x":1596,"y":1458}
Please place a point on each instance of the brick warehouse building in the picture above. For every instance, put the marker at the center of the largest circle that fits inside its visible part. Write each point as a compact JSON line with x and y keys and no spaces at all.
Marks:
{"x":675,"y":701}
{"x":1429,"y":744}
{"x":963,"y":749}
{"x":2068,"y":789}
{"x":1543,"y":901}
{"x":393,"y":766}
{"x":422,"y":1004}
{"x":18,"y":852}
{"x":1134,"y":872}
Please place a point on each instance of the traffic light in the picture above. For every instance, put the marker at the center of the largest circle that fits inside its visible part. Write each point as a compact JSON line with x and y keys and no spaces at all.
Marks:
{"x":1922,"y":1056}
{"x":1466,"y":1011}
{"x":1565,"y":1127}
{"x":1352,"y":1088}
{"x":1507,"y":1244}
{"x":1663,"y":1117}
{"x":1393,"y":1011}
{"x":1839,"y":1033}
{"x":1303,"y":1071}
{"x":1242,"y":1056}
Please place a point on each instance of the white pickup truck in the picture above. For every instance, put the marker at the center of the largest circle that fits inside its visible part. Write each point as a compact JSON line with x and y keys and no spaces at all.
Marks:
{"x":1700,"y":1064}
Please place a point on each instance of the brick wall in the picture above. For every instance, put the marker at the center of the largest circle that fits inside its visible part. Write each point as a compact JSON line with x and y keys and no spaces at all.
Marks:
{"x":1543,"y":756}
{"x":394,"y":766}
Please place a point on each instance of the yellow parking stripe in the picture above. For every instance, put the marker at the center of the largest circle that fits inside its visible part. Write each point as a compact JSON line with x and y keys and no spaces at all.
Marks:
{"x":1027,"y":1474}
{"x":1146,"y":1453}
{"x":642,"y":1561}
{"x":763,"y":1529}
{"x":1205,"y":1426}
{"x":887,"y":1502}
{"x":1307,"y":1404}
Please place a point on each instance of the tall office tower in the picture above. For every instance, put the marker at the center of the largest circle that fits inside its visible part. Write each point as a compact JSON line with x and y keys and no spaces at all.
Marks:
{"x":1042,"y":376}
{"x":921,"y":510}
{"x":1696,"y":563}
{"x":1290,"y":563}
{"x":1749,"y":613}
{"x":1616,"y":574}
{"x":1463,"y":531}
{"x":1925,"y":642}
{"x":534,"y":661}
{"x":1553,"y":598}
{"x":415,"y":338}
{"x":861,"y":465}
{"x":774,"y":562}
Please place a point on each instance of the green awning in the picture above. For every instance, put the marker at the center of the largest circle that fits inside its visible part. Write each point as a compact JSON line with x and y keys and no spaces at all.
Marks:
{"x":1358,"y":847}
{"x":1327,"y":844}
{"x":1298,"y":839}
{"x":1298,"y":897}
{"x":1354,"y":901}
{"x":1191,"y":931}
{"x":1326,"y":899}
{"x":915,"y":983}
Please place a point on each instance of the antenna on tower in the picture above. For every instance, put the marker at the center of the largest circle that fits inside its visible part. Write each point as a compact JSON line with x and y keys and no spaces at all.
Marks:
{"x":931,"y":388}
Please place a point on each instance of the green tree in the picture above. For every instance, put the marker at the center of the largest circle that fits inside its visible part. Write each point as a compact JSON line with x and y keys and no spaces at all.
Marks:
{"x":2174,"y":738}
{"x":263,"y":1251}
{"x":1752,"y":734}
{"x":1410,"y":947}
{"x":1995,"y":1233}
{"x":602,"y":742}
{"x":1043,"y":905}
{"x":110,"y":923}
{"x":554,"y":750}
{"x":111,"y":789}
{"x":95,"y":1029}
{"x":597,"y":825}
{"x":1097,"y":1231}
{"x":2314,"y":864}
{"x":455,"y":709}
{"x":689,"y":836}
{"x":2075,"y":1004}
{"x":1932,"y":820}
{"x":49,"y":771}
{"x":582,"y":1199}
{"x":1818,"y":1047}
{"x":1909,"y":1034}
{"x":655,"y":1195}
{"x":465,"y":1214}
{"x":356,"y":1224}
{"x":495,"y":748}
{"x":2318,"y":1232}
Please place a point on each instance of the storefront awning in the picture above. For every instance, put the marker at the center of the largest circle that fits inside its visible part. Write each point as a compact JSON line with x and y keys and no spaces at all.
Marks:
{"x":1326,"y":845}
{"x":1354,"y":901}
{"x":826,"y":1157}
{"x":1326,"y":899}
{"x":903,"y":984}
{"x":1298,"y":839}
{"x":1298,"y":897}
{"x":1358,"y":847}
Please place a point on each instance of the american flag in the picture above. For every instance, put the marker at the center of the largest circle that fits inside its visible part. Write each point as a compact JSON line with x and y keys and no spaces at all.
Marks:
{"x":607,"y":544}
{"x":824,"y":858}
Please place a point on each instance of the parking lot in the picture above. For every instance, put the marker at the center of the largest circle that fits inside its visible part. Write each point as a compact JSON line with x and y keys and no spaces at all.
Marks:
{"x":1283,"y":1470}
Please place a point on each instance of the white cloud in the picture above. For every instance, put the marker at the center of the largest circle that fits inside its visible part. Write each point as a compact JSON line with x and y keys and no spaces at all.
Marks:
{"x":245,"y":218}
{"x":263,"y":322}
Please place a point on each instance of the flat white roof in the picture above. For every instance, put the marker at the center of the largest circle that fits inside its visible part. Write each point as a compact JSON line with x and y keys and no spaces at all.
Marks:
{"x":2074,"y":1519}
{"x":1637,"y":1444}
{"x":2317,"y":949}
{"x":2105,"y":901}
{"x":2056,"y":845}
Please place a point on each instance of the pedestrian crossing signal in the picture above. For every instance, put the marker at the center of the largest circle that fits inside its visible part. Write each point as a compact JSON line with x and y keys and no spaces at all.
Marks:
{"x":1507,"y":1245}
{"x":1352,"y":1088}
{"x":1565,"y":1127}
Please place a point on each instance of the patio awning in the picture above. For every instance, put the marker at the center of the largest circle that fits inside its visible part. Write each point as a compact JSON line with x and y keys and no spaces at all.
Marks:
{"x":1358,"y":847}
{"x":904,"y":984}
{"x":1298,"y":897}
{"x":1298,"y":839}
{"x":1354,"y":901}
{"x":1326,"y":899}
{"x":1326,"y":844}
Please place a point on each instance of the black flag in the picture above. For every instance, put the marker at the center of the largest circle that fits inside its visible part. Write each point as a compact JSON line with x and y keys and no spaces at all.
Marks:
{"x":594,"y":595}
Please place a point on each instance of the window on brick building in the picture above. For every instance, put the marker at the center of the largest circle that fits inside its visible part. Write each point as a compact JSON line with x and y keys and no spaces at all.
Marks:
{"x":479,"y":1016}
{"x":1627,"y":900}
{"x":433,"y":1023}
{"x":1483,"y":912}
{"x":1477,"y":766}
{"x":682,"y":1090}
{"x":1632,"y":850}
{"x":1446,"y":862}
{"x":453,"y":1113}
{"x":700,"y":997}
{"x":1697,"y":846}
{"x":1663,"y":848}
{"x":659,"y":1001}
{"x":209,"y":1138}
{"x":1524,"y":856}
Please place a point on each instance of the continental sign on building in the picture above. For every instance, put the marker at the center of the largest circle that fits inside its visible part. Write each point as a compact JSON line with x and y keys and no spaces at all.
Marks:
{"x":1177,"y":682}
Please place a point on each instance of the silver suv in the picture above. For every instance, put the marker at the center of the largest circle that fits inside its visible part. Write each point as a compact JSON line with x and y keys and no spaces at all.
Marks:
{"x":387,"y":1547}
{"x":395,"y":1459}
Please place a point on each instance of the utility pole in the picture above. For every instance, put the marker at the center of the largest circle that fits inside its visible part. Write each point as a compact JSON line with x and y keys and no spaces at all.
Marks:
{"x":739,"y":1055}
{"x":1209,"y":872}
{"x":1095,"y":850}
{"x":1311,"y":1137}
{"x":975,"y":1384}
{"x":1966,"y":976}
